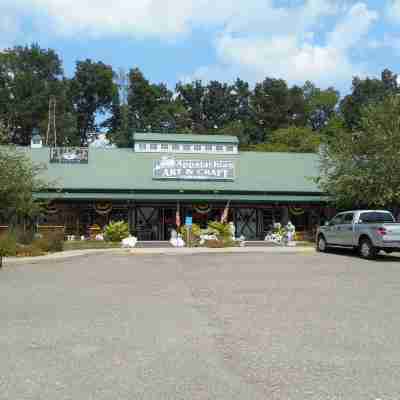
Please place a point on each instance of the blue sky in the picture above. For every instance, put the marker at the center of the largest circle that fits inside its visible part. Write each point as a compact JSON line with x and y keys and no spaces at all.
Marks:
{"x":326,"y":41}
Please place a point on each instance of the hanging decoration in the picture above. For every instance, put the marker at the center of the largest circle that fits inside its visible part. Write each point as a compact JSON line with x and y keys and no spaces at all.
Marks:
{"x":51,"y":208}
{"x":103,"y":208}
{"x":296,"y":211}
{"x":202,"y":208}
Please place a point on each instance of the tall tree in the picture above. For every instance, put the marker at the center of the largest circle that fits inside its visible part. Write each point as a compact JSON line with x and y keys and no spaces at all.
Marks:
{"x":277,"y":106}
{"x":28,"y":77}
{"x":93,"y":90}
{"x":367,"y":91}
{"x":191,"y":96}
{"x":320,"y":105}
{"x":291,"y":139}
{"x":150,"y":105}
{"x":19,"y":179}
{"x":361,"y":168}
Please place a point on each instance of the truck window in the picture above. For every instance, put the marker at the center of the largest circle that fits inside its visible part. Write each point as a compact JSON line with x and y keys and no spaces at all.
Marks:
{"x":348,"y":218}
{"x":337,"y":220}
{"x":376,"y":217}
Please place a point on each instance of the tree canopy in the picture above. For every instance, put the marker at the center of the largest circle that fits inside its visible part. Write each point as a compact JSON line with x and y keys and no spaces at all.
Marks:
{"x":19,"y":179}
{"x":269,"y":115}
{"x":360,"y":168}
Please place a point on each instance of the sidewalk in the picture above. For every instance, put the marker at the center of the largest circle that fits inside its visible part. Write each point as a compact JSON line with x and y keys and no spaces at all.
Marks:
{"x":156,"y":251}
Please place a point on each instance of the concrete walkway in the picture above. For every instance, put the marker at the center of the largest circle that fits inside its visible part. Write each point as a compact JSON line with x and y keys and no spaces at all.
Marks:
{"x":156,"y":251}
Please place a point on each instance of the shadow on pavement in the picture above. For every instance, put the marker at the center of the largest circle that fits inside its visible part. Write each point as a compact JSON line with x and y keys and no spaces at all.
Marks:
{"x":381,"y":257}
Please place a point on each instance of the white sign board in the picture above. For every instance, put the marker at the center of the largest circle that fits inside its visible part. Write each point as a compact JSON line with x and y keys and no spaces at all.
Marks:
{"x":213,"y":170}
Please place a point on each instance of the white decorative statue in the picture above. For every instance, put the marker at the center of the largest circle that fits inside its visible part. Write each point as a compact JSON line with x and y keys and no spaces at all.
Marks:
{"x":233,"y":230}
{"x":290,"y":232}
{"x":129,"y":242}
{"x":176,"y":239}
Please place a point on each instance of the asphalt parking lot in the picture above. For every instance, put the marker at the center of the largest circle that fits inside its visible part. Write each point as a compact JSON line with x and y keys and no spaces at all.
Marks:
{"x":240,"y":326}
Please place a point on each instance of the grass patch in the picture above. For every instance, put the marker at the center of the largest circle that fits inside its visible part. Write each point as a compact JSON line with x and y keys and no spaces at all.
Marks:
{"x":90,"y":244}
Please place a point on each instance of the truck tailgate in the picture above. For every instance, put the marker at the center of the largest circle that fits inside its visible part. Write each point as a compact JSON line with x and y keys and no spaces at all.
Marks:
{"x":392,"y":233}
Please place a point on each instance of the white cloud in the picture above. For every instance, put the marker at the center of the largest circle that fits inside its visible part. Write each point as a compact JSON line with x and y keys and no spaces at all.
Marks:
{"x":295,"y":55}
{"x":253,"y":38}
{"x":393,"y":10}
{"x":166,"y":18}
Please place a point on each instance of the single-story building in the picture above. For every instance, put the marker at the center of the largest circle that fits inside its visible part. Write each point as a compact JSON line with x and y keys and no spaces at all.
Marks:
{"x":166,"y":177}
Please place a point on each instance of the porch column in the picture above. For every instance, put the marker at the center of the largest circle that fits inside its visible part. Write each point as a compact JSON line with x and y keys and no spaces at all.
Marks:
{"x":285,"y":216}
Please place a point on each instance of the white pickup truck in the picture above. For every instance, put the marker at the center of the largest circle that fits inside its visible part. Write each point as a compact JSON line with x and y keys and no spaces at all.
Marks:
{"x":368,"y":231}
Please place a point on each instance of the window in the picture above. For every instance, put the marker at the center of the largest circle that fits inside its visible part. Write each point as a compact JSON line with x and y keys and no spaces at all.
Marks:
{"x":209,"y":147}
{"x":176,"y":147}
{"x":164,"y":147}
{"x":197,"y":148}
{"x":376,"y":217}
{"x":337,"y":220}
{"x":187,"y":147}
{"x":153,"y":147}
{"x":142,"y":146}
{"x":348,"y":218}
{"x":219,"y":147}
{"x":230,"y":148}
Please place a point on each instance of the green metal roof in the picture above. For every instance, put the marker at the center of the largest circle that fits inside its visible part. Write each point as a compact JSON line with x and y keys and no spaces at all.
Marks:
{"x":122,"y":171}
{"x":183,"y":137}
{"x":183,"y":196}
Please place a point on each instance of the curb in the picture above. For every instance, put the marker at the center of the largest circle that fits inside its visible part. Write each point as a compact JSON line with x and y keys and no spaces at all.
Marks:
{"x":157,"y":251}
{"x":228,"y":250}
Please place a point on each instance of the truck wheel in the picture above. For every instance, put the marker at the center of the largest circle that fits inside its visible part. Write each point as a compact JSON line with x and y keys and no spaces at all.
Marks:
{"x":367,"y":250}
{"x":321,"y":244}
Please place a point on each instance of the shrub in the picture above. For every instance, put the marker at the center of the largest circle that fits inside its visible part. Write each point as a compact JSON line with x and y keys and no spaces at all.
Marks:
{"x":116,"y":231}
{"x":8,"y":245}
{"x":221,"y":230}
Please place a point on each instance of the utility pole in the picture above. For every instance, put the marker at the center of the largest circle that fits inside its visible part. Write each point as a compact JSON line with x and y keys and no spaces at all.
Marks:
{"x":51,"y":123}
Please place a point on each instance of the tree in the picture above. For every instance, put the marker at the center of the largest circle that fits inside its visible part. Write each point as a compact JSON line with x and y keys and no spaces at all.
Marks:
{"x":320,"y":105}
{"x":28,"y":77}
{"x":20,"y":178}
{"x":292,"y":139}
{"x":361,"y":169}
{"x":367,"y":91}
{"x":151,"y":107}
{"x":191,"y":96}
{"x":92,"y":90}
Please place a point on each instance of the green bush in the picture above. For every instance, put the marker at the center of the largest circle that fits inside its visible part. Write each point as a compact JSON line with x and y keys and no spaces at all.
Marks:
{"x":116,"y":231}
{"x":221,"y":230}
{"x":8,"y":245}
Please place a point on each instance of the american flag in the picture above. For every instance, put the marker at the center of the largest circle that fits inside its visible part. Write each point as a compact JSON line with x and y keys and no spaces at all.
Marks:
{"x":224,"y":216}
{"x":177,"y":217}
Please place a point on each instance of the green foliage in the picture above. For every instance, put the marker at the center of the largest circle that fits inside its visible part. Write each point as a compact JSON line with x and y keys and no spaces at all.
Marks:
{"x":292,"y":139}
{"x":361,"y":168}
{"x":366,"y":92}
{"x":116,"y":231}
{"x":320,"y":105}
{"x":93,"y":92}
{"x":8,"y":245}
{"x":19,"y":179}
{"x":221,"y":230}
{"x":28,"y":77}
